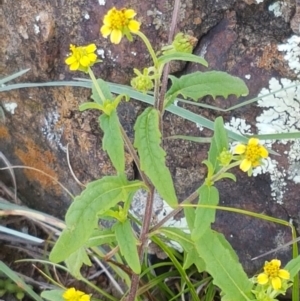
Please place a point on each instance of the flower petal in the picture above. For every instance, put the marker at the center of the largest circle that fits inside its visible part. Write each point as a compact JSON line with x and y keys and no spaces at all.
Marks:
{"x":92,"y":57}
{"x":262,"y":278}
{"x":276,"y":262}
{"x":134,"y":26}
{"x":129,"y":13}
{"x":69,"y":293}
{"x":85,"y":298}
{"x":284,"y":274}
{"x":263,"y":152}
{"x":239,"y":149}
{"x":276,"y":283}
{"x":105,"y":30}
{"x":74,"y":66}
{"x":84,"y":61}
{"x":90,"y":48}
{"x":70,"y":60}
{"x":253,"y":141}
{"x":245,"y":165}
{"x":116,"y":36}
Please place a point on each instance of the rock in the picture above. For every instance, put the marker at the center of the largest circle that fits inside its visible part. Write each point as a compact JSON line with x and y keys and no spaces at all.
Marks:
{"x":240,"y":37}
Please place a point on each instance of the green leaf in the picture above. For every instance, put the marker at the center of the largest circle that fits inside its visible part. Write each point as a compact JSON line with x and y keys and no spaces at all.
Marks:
{"x":113,"y":141}
{"x":180,"y":56}
{"x":105,"y":90}
{"x":278,"y":136}
{"x":199,"y":84}
{"x":191,"y":258}
{"x":75,"y":261}
{"x":53,"y":295}
{"x":226,"y":271}
{"x":189,"y":213}
{"x":208,"y":195}
{"x":191,"y":138}
{"x":100,"y":237}
{"x":218,"y":144}
{"x":128,"y":245}
{"x":82,"y":216}
{"x":90,"y":106}
{"x":227,"y":175}
{"x":178,"y":235}
{"x":152,"y":156}
{"x":19,"y":281}
{"x":11,"y":77}
{"x":293,"y":266}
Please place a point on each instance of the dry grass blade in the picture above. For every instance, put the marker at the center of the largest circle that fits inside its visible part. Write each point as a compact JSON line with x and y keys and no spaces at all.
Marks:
{"x":11,"y":171}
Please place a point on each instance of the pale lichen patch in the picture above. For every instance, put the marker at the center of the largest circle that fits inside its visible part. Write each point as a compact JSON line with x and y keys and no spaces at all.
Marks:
{"x":292,"y":53}
{"x":276,"y":8}
{"x":281,"y":115}
{"x":10,"y":107}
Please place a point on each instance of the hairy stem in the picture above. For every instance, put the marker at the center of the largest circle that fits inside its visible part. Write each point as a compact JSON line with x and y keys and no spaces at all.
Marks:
{"x":158,"y":104}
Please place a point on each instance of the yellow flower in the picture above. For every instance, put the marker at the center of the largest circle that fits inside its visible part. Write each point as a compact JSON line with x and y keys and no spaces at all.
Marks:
{"x":251,"y":154}
{"x":118,"y":23}
{"x":273,"y":274}
{"x":82,"y":57}
{"x":73,"y":295}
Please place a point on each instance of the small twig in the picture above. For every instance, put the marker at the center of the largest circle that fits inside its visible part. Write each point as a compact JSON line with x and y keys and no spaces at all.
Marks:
{"x":159,"y":94}
{"x":165,"y":77}
{"x":12,"y":195}
{"x":71,"y":169}
{"x":109,"y":275}
{"x":11,"y":171}
{"x":135,"y":157}
{"x":143,"y":239}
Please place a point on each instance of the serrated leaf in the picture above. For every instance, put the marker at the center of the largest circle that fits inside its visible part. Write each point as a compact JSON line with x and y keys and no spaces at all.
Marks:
{"x":128,"y":245}
{"x":104,"y":89}
{"x":82,"y":216}
{"x":180,"y":56}
{"x":75,"y":261}
{"x":218,"y":144}
{"x":199,"y":84}
{"x":152,"y":156}
{"x":112,"y":140}
{"x":191,"y":258}
{"x":226,"y":271}
{"x":208,"y":195}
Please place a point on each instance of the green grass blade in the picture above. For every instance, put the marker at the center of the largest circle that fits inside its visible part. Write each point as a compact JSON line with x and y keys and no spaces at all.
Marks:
{"x":13,"y":76}
{"x":14,"y":277}
{"x":122,"y":89}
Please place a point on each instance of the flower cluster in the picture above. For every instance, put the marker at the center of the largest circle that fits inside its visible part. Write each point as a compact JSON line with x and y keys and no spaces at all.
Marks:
{"x":82,"y":57}
{"x":272,"y":282}
{"x":118,"y":23}
{"x":143,"y":81}
{"x":251,"y":154}
{"x":72,"y":294}
{"x":273,"y":274}
{"x":182,"y":43}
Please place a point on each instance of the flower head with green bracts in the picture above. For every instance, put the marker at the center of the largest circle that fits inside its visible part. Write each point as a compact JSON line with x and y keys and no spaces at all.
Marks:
{"x":72,"y":294}
{"x":118,"y":23}
{"x":143,"y":82}
{"x":182,"y":43}
{"x":82,"y":57}
{"x":251,"y":154}
{"x":273,"y":274}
